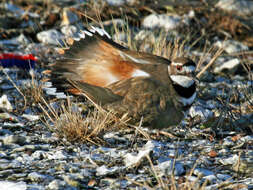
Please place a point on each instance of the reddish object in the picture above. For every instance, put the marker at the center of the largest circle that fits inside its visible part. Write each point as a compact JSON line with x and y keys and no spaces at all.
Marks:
{"x":21,"y":61}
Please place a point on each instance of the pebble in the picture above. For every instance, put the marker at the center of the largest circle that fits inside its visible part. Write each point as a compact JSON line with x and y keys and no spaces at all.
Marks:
{"x":230,"y":66}
{"x":241,"y":7}
{"x":51,"y":36}
{"x":116,"y":2}
{"x":5,"y":103}
{"x":14,"y":139}
{"x":31,"y":117}
{"x":168,"y":22}
{"x":56,"y":184}
{"x":9,"y":185}
{"x":202,"y":172}
{"x":131,"y":159}
{"x":231,"y":46}
{"x":203,"y":113}
{"x":169,"y":168}
{"x":36,"y":177}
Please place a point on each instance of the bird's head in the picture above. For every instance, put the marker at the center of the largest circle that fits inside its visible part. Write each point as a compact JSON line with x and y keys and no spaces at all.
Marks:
{"x":182,"y":71}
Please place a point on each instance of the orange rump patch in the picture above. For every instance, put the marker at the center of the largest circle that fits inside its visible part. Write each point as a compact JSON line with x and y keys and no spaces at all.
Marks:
{"x":74,"y":91}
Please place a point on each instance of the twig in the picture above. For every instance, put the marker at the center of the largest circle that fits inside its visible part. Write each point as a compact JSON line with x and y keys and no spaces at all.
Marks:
{"x":216,"y":55}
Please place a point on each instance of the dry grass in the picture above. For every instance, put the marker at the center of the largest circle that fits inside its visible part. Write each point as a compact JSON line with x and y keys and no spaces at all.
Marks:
{"x":70,"y":123}
{"x":170,"y":182}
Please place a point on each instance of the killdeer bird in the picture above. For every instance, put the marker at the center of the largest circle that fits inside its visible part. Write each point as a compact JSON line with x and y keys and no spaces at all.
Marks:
{"x":125,"y":81}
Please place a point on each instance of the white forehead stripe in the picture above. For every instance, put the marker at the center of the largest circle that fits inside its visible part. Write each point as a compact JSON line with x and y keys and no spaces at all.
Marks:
{"x":188,"y":101}
{"x":177,"y":63}
{"x":182,"y":80}
{"x":140,"y":73}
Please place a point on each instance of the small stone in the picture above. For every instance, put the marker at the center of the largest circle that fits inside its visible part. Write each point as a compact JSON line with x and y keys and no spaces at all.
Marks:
{"x":210,"y":178}
{"x":224,"y":177}
{"x":56,"y":184}
{"x":169,"y":166}
{"x":61,"y":155}
{"x":200,"y":111}
{"x":50,"y":37}
{"x":103,"y":170}
{"x":241,"y":7}
{"x":202,"y":172}
{"x":71,"y":181}
{"x":8,"y":185}
{"x":5,"y":104}
{"x":36,"y":177}
{"x":31,"y":117}
{"x":133,"y":159}
{"x":230,"y":66}
{"x":230,"y":160}
{"x":14,"y":139}
{"x":231,"y":46}
{"x":169,"y":22}
{"x":115,"y":2}
{"x":228,"y":142}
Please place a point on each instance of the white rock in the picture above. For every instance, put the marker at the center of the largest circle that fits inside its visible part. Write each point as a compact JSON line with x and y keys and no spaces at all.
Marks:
{"x":168,"y":167}
{"x":230,"y":161}
{"x":224,"y":177}
{"x":69,"y":30}
{"x":38,"y":154}
{"x":103,"y":170}
{"x":50,"y":37}
{"x":202,"y":172}
{"x":210,"y":178}
{"x":56,"y":184}
{"x":241,"y":7}
{"x":230,"y":65}
{"x":8,"y":185}
{"x":5,"y":104}
{"x":200,"y":111}
{"x":247,"y":138}
{"x":116,"y":2}
{"x":58,"y":154}
{"x":231,"y":46}
{"x":37,"y":177}
{"x":131,"y":159}
{"x":14,"y":139}
{"x":31,"y":117}
{"x":168,"y":22}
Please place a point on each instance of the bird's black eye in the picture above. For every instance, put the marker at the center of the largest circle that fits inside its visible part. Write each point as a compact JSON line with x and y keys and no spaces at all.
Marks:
{"x":179,"y":67}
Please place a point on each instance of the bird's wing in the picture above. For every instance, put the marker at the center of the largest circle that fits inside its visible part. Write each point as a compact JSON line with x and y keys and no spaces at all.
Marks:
{"x":96,"y":60}
{"x":97,"y":94}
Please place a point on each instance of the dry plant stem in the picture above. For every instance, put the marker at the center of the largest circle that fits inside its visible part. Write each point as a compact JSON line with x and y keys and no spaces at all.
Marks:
{"x":139,"y":184}
{"x":159,"y":180}
{"x":203,"y":58}
{"x":216,"y":55}
{"x":13,"y":83}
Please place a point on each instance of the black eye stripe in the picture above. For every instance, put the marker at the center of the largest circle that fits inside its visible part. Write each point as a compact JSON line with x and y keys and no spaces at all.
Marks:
{"x":190,"y":63}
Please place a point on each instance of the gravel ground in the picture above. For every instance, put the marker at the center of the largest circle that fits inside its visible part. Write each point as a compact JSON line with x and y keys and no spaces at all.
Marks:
{"x":212,"y":148}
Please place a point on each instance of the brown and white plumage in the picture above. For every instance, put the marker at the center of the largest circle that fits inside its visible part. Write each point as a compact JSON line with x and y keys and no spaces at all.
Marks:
{"x":126,"y":81}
